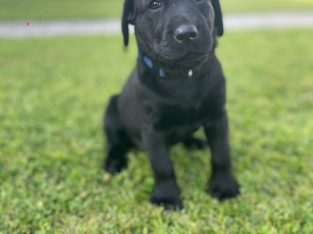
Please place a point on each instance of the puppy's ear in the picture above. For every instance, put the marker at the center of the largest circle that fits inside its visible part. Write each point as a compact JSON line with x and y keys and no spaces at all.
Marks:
{"x":127,"y":18}
{"x":219,"y":27}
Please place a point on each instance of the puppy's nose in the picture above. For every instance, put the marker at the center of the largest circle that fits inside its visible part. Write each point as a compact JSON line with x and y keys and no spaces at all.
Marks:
{"x":186,"y":33}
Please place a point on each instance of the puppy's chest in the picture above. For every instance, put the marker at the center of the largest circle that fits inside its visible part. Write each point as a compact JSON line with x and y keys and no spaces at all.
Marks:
{"x":181,"y":118}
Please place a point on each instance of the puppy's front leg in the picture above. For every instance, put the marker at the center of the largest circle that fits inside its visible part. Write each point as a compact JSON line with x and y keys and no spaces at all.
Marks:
{"x":223,"y":183}
{"x":166,"y":191}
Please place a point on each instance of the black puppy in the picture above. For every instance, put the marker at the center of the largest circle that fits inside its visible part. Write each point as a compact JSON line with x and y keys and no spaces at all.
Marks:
{"x":177,"y":87}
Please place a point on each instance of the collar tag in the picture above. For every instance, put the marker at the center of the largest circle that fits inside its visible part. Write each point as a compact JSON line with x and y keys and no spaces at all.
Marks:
{"x":190,"y":73}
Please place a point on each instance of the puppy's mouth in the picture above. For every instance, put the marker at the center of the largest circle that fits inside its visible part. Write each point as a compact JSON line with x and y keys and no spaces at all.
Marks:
{"x":183,"y":59}
{"x":186,"y":55}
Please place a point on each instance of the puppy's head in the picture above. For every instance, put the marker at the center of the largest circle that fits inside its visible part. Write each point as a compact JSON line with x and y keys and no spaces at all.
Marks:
{"x":173,"y":30}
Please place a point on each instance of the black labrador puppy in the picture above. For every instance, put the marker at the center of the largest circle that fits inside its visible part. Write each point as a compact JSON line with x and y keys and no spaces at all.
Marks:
{"x":176,"y":87}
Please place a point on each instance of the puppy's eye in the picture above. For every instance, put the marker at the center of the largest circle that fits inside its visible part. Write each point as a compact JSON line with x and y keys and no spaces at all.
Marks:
{"x":155,"y":4}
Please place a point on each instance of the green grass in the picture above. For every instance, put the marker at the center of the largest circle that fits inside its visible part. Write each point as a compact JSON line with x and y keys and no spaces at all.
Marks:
{"x":235,"y":6}
{"x":69,"y":9}
{"x":53,"y":93}
{"x":59,"y":9}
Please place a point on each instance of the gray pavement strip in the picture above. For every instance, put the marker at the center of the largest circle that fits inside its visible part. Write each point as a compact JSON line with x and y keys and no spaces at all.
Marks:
{"x":248,"y":21}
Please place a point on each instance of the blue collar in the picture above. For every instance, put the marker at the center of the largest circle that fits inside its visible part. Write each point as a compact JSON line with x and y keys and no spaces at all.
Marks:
{"x":148,"y":62}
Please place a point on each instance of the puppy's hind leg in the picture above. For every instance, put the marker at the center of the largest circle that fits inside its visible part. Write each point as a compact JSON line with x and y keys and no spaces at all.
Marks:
{"x":118,"y":142}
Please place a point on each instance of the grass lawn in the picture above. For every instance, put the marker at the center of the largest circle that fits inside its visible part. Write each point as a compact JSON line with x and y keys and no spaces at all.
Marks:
{"x":53,"y":93}
{"x":69,"y":9}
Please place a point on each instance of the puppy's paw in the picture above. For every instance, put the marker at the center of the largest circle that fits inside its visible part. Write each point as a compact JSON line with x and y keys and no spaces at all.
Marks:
{"x":167,"y":195}
{"x":114,"y":166}
{"x":167,"y":201}
{"x":224,"y":186}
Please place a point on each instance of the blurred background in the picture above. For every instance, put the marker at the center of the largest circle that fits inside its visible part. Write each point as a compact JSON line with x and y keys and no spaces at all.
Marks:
{"x":76,"y":9}
{"x":55,"y":87}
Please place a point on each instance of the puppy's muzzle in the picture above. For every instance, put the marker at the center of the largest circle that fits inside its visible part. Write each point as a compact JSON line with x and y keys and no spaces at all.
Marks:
{"x":186,"y":33}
